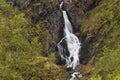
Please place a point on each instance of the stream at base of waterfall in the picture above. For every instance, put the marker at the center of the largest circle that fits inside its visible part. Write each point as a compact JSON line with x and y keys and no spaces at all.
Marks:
{"x":73,"y":46}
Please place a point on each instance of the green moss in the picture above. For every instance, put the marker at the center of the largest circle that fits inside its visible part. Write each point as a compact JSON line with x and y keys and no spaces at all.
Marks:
{"x":20,"y":50}
{"x":108,"y":66}
{"x":102,"y":25}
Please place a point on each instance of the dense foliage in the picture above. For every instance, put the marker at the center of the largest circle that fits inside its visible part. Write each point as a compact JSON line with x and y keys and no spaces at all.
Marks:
{"x":108,"y":66}
{"x":22,"y":44}
{"x":102,"y":25}
{"x":20,"y":57}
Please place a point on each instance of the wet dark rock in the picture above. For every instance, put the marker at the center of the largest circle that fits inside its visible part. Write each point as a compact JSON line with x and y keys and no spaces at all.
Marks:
{"x":49,"y":13}
{"x":71,"y":58}
{"x":69,"y":69}
{"x":76,"y":9}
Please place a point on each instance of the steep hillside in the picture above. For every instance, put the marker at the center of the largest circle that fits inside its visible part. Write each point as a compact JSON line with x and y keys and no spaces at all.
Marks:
{"x":101,"y":27}
{"x":30,"y":30}
{"x":20,"y":54}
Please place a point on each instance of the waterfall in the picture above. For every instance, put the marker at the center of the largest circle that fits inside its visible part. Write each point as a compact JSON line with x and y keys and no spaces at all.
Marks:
{"x":73,"y":45}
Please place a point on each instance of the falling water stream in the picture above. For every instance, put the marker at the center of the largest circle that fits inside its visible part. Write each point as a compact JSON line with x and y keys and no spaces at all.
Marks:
{"x":73,"y":45}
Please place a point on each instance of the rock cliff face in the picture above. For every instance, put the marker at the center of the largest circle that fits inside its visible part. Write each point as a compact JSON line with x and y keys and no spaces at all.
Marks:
{"x":30,"y":28}
{"x":46,"y":14}
{"x":76,"y":10}
{"x":47,"y":23}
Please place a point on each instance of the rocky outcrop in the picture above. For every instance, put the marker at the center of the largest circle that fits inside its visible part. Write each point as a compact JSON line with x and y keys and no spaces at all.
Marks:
{"x":76,"y":10}
{"x":44,"y":14}
{"x":96,"y":24}
{"x":47,"y":15}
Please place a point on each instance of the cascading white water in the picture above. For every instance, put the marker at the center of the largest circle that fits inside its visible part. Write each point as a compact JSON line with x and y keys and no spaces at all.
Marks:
{"x":73,"y":44}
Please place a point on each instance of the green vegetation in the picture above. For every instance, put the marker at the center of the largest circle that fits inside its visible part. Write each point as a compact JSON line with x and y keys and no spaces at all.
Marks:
{"x":20,"y":52}
{"x":22,"y":44}
{"x":108,"y":66}
{"x":103,"y":24}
